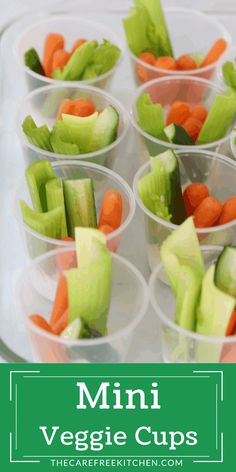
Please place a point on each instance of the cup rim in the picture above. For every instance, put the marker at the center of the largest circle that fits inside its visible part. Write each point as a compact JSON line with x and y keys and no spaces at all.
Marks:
{"x":232,"y":142}
{"x":200,"y":70}
{"x":172,"y":324}
{"x":173,"y":226}
{"x":138,"y":128}
{"x":90,"y":155}
{"x":103,"y":170}
{"x":87,"y":342}
{"x":92,"y":24}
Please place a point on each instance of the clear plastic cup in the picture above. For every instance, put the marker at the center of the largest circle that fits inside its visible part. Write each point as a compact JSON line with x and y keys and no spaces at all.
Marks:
{"x":72,"y":27}
{"x":218,"y":173}
{"x":43,"y":105}
{"x":179,"y":345}
{"x":186,"y":28}
{"x":167,"y":90}
{"x":35,"y":293}
{"x":233,"y":143}
{"x":229,"y":55}
{"x":103,"y":180}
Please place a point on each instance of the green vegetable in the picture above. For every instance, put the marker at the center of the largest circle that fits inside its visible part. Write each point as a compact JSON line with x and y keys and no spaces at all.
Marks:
{"x":80,"y":204}
{"x":229,"y":74}
{"x":153,"y":191}
{"x":84,"y":242}
{"x":183,"y":263}
{"x":76,"y":65}
{"x":49,"y":224}
{"x":176,"y":134}
{"x":150,"y":116}
{"x":39,"y":137}
{"x":220,"y":117}
{"x":81,"y":129}
{"x":103,"y":59}
{"x":37,"y":174}
{"x":225,"y":272}
{"x":55,"y":199}
{"x":74,"y":330}
{"x":32,"y":61}
{"x":105,"y":130}
{"x":136,"y":26}
{"x":61,"y":139}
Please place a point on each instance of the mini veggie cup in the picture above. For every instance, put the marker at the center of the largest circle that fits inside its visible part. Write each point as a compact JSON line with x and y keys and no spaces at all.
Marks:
{"x":72,"y":27}
{"x":218,"y":173}
{"x":103,"y":180}
{"x":186,"y":28}
{"x":35,"y":292}
{"x":43,"y":105}
{"x":179,"y":345}
{"x":167,"y":90}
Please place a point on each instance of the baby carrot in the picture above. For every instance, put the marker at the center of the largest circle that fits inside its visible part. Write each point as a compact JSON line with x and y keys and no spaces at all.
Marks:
{"x":147,"y":57}
{"x":40,"y":321}
{"x":193,"y":127}
{"x":65,"y":107}
{"x":83,"y":107}
{"x":231,"y":329}
{"x":215,"y":52}
{"x":185,"y":62}
{"x":111,"y":212}
{"x":60,"y":59}
{"x":53,"y":42}
{"x":106,"y":229}
{"x":207,"y":213}
{"x":178,"y":113}
{"x":61,"y":323}
{"x":77,"y":44}
{"x":193,"y":195}
{"x":166,"y":63}
{"x":200,"y":112}
{"x":228,"y":212}
{"x":142,"y":71}
{"x":60,"y":302}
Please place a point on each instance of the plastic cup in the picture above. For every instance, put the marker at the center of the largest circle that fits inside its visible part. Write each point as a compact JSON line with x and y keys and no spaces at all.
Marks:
{"x":72,"y":27}
{"x":167,"y":90}
{"x":229,"y":55}
{"x":129,"y":300}
{"x":179,"y":345}
{"x":186,"y":29}
{"x":43,"y":104}
{"x":218,"y":173}
{"x":103,"y":180}
{"x":233,"y":143}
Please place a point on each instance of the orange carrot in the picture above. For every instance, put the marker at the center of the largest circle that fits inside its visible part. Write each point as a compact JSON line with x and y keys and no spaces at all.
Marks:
{"x":193,"y":195}
{"x":166,"y":63}
{"x":185,"y":62}
{"x":200,"y":112}
{"x":77,"y":44}
{"x":61,"y":323}
{"x":207,"y":213}
{"x":83,"y":107}
{"x":178,"y":113}
{"x":228,"y":212}
{"x":53,"y":42}
{"x":193,"y":127}
{"x":66,"y":260}
{"x":215,"y":52}
{"x":40,"y":321}
{"x":60,"y":302}
{"x":65,"y":107}
{"x":111,"y":212}
{"x":60,"y":59}
{"x":231,"y":329}
{"x":106,"y":229}
{"x":142,"y":71}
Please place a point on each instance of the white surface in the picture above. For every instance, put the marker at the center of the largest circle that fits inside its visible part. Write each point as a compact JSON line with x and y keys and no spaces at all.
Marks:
{"x":146,"y":347}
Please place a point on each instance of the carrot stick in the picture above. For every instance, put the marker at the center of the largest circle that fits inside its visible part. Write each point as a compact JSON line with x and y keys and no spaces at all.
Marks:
{"x":193,"y":195}
{"x":111,"y":212}
{"x":83,"y":107}
{"x":215,"y":52}
{"x":60,"y":302}
{"x":185,"y":62}
{"x":231,"y":329}
{"x":193,"y":127}
{"x":200,"y":112}
{"x":178,"y":113}
{"x":228,"y":212}
{"x":60,"y":59}
{"x":61,"y":323}
{"x":142,"y":71}
{"x":65,"y":107}
{"x":40,"y":321}
{"x":77,"y":44}
{"x":53,"y":42}
{"x":106,"y":229}
{"x":207,"y":213}
{"x":166,"y":63}
{"x":67,"y":259}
